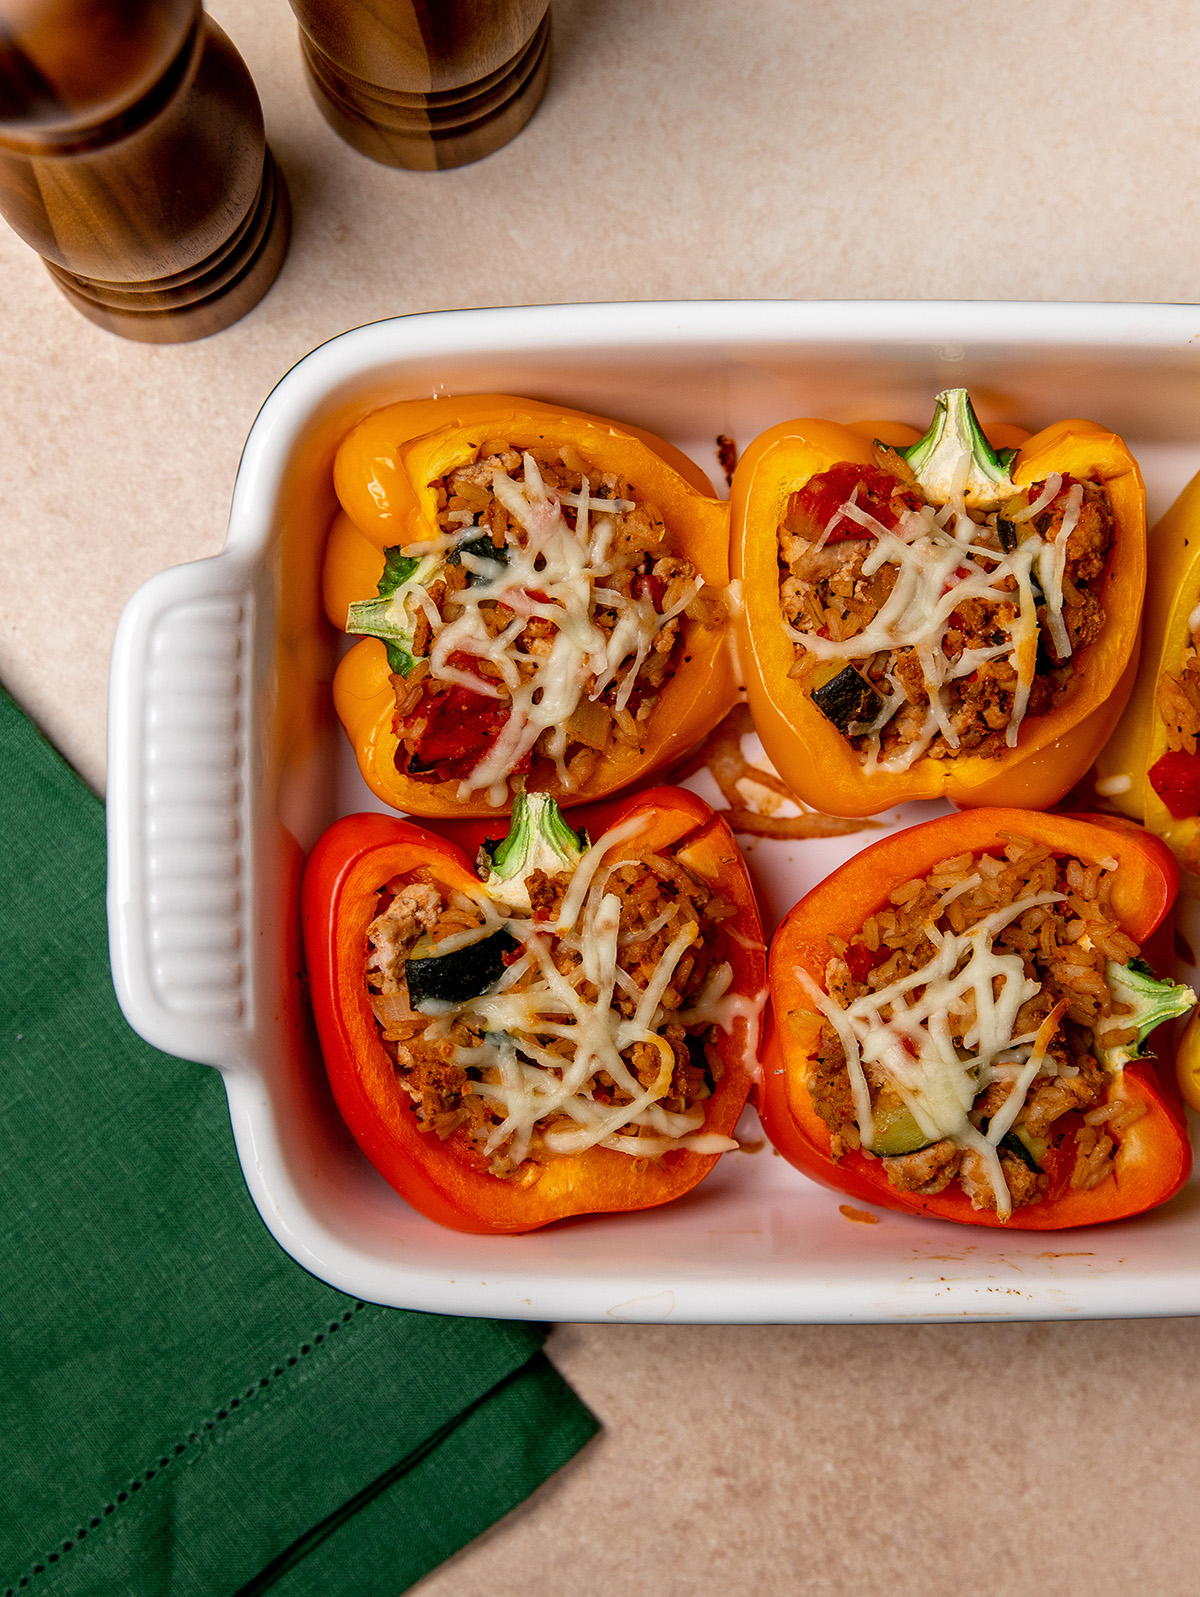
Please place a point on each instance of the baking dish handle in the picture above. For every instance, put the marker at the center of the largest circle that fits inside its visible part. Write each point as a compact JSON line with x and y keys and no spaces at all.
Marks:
{"x":180,"y":793}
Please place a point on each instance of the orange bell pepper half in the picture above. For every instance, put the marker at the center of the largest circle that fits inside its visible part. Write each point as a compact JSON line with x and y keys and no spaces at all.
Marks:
{"x":448,"y":1179}
{"x":386,"y":473}
{"x":1153,"y":1156}
{"x":1053,"y":749}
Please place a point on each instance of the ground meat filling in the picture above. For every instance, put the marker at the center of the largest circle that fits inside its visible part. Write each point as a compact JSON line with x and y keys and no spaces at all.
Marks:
{"x":1055,"y":915}
{"x":1177,"y":697}
{"x":941,"y":678}
{"x":623,"y":597}
{"x":459,"y":1075}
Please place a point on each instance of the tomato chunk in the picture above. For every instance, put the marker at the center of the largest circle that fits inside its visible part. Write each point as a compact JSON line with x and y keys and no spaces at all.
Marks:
{"x":813,"y":506}
{"x":1176,"y":780}
{"x":450,"y":731}
{"x":861,"y":961}
{"x":463,"y":725}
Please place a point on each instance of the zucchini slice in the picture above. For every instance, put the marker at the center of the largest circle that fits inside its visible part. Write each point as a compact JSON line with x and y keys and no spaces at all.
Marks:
{"x":483,"y":549}
{"x":847,"y":700}
{"x":467,"y":972}
{"x":896,"y":1130}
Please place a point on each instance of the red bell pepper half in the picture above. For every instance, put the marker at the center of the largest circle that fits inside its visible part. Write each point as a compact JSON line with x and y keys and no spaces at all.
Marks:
{"x":1153,"y":1155}
{"x":447,"y":1177}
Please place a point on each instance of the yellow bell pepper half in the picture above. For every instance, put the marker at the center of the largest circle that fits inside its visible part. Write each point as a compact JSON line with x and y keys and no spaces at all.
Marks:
{"x":386,"y":472}
{"x":1140,"y":739}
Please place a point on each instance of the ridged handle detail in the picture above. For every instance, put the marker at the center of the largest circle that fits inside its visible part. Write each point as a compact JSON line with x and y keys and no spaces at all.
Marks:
{"x":193,"y":793}
{"x":181,"y":786}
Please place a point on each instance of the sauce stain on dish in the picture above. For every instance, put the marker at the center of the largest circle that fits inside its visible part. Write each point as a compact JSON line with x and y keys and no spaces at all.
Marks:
{"x":860,"y":1216}
{"x":659,"y":1307}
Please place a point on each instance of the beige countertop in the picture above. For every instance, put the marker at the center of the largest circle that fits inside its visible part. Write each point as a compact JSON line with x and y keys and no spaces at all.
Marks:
{"x":865,"y":151}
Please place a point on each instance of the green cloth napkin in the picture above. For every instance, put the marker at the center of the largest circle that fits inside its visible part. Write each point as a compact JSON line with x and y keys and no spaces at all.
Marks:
{"x":183,"y":1409}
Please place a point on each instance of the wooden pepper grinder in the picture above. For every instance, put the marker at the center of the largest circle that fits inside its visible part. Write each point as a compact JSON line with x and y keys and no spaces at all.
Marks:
{"x":426,"y":84}
{"x":132,"y":158}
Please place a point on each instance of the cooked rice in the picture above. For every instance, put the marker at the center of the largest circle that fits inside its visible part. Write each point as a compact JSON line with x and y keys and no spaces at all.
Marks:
{"x":659,"y":900}
{"x":1177,"y":699}
{"x":826,"y":593}
{"x":643,"y":560}
{"x":1073,"y":1104}
{"x":739,"y":778}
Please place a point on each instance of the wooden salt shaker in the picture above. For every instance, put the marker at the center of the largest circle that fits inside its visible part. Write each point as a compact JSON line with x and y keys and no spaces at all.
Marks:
{"x":426,"y":84}
{"x":132,"y":158}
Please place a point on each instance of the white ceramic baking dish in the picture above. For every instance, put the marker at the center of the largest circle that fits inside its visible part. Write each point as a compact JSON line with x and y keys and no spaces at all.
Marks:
{"x":226,"y":763}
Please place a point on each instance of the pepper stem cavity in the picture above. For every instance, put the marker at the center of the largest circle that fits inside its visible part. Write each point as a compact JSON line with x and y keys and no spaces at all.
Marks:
{"x":954,"y":459}
{"x":1151,"y":1002}
{"x":385,"y":616}
{"x":538,"y":839}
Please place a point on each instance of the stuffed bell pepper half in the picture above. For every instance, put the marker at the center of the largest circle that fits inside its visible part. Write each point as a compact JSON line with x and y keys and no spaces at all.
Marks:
{"x":541,"y":597}
{"x":1150,"y":767}
{"x":571,"y":1029}
{"x":933,"y":617}
{"x":959,"y":1021}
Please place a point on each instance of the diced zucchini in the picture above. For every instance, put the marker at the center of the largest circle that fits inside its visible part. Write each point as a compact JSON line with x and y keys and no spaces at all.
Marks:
{"x":847,"y":700}
{"x":896,"y":1129}
{"x":466,"y":973}
{"x":1029,"y":1149}
{"x":482,"y":548}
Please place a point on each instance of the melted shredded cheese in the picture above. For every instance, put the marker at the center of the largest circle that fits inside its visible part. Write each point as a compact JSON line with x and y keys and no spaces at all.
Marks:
{"x":940,"y":563}
{"x":903,"y":1033}
{"x":556,"y":574}
{"x":529,"y":1082}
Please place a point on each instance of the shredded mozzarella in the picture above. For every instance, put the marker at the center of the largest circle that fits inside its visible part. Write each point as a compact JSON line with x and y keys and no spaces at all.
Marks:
{"x":1052,"y":563}
{"x":903,"y":1033}
{"x":556,"y":574}
{"x":529,"y":1081}
{"x":939,"y":564}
